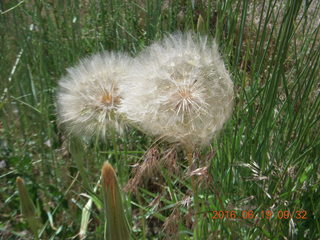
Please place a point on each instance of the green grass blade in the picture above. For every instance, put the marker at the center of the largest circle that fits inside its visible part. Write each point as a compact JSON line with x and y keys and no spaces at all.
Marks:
{"x":28,"y":209}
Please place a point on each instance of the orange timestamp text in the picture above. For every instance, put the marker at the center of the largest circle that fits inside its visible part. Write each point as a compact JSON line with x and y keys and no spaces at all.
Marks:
{"x":266,"y":214}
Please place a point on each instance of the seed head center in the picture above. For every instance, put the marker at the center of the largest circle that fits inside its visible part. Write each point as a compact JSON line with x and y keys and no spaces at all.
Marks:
{"x":106,"y":99}
{"x":185,"y":93}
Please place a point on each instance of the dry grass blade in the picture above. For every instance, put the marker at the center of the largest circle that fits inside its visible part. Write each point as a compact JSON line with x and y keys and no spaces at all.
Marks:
{"x":85,"y":219}
{"x":171,"y":225}
{"x":85,"y":216}
{"x":145,"y":170}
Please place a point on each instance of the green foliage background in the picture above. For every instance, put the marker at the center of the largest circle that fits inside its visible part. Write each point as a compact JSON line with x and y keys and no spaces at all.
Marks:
{"x":267,"y":158}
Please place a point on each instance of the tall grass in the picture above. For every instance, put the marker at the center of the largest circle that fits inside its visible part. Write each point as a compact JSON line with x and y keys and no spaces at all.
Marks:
{"x":267,"y":158}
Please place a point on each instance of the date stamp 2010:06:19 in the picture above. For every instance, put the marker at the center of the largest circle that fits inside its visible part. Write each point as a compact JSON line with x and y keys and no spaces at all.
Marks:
{"x":267,"y":214}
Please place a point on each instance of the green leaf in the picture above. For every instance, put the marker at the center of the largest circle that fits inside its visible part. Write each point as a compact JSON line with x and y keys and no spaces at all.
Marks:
{"x":28,"y":209}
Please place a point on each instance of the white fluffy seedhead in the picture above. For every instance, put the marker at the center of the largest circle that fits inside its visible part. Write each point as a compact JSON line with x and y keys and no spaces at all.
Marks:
{"x":179,"y":89}
{"x":88,"y":96}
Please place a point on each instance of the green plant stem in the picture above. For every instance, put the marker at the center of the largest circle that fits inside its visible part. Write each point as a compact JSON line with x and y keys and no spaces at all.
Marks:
{"x":143,"y":222}
{"x":195,"y":191}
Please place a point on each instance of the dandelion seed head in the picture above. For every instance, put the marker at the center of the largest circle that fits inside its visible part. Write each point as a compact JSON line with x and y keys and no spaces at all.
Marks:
{"x":179,"y":90}
{"x":88,"y":96}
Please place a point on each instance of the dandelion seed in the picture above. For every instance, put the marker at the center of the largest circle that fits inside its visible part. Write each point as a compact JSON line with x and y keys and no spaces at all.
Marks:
{"x":179,"y":90}
{"x":88,"y":97}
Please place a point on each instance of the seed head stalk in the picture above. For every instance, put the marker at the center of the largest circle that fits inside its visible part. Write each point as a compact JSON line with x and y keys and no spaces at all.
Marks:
{"x":190,"y":152}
